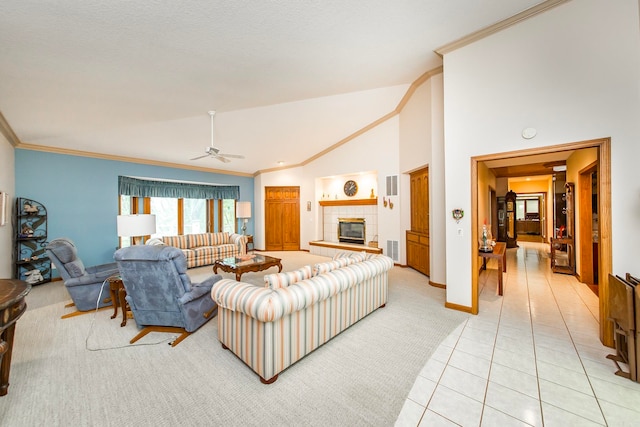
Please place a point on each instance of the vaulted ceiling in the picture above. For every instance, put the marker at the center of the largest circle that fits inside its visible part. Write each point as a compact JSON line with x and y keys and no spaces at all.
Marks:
{"x":137,"y":79}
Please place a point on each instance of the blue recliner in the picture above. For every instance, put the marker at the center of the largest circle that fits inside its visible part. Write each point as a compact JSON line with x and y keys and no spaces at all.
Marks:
{"x":82,"y":283}
{"x":160,"y":293}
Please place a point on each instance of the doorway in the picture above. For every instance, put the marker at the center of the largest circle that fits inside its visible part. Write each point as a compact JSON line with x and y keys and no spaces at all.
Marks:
{"x":604,"y":255}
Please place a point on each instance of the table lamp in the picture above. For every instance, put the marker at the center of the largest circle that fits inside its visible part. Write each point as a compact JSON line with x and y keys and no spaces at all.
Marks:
{"x":136,"y":226}
{"x":243,"y":211}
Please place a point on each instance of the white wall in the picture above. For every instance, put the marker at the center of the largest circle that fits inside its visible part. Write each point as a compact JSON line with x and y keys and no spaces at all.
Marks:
{"x":375,"y":150}
{"x":572,"y":73}
{"x":421,"y":144}
{"x":7,"y":184}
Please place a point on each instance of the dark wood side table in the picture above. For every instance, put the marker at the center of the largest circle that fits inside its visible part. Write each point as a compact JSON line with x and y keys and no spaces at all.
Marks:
{"x":12,"y":306}
{"x":249,"y":242}
{"x":118,"y":294}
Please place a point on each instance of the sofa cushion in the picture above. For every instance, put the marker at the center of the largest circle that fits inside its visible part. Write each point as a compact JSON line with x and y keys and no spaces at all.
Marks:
{"x":176,"y":241}
{"x":220,"y":238}
{"x":198,"y":240}
{"x":282,"y":280}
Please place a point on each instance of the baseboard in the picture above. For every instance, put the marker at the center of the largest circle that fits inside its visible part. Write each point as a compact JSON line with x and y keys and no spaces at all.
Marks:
{"x":458,"y":307}
{"x":437,"y":285}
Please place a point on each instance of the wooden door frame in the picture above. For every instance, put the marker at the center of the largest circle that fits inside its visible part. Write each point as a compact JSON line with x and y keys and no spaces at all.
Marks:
{"x":604,"y":221}
{"x":586,"y":221}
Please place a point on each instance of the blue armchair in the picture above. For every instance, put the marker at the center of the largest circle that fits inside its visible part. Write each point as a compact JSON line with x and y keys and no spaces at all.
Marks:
{"x":83,"y":283}
{"x":160,"y":293}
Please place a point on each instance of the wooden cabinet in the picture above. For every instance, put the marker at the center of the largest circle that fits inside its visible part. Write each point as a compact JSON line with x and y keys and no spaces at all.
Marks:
{"x":282,"y":218}
{"x":418,"y":251}
{"x":417,"y":238}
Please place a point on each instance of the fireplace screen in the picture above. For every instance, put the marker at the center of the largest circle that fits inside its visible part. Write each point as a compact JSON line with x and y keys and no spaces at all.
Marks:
{"x":351,"y":230}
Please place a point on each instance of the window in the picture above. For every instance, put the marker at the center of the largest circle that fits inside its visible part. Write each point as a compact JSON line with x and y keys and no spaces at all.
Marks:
{"x":228,"y":215}
{"x":125,"y":209}
{"x":166,"y":212}
{"x":195,"y":216}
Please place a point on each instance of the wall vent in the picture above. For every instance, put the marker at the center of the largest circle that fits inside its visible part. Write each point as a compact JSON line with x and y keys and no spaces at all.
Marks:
{"x":392,"y":249}
{"x":392,"y":185}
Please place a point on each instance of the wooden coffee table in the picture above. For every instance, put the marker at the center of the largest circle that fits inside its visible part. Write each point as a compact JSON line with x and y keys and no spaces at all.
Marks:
{"x":239,"y":266}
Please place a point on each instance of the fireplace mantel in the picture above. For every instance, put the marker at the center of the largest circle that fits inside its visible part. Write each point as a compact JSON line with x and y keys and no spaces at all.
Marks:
{"x":349,"y":202}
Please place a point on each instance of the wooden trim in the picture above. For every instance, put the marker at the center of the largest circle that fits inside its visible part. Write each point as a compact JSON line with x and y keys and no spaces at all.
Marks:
{"x":458,"y":307}
{"x":349,"y":202}
{"x":605,"y":251}
{"x":412,"y":88}
{"x":437,"y":285}
{"x":126,"y":159}
{"x":180,"y":216}
{"x":7,"y":131}
{"x":210,"y":215}
{"x":585,"y":240}
{"x":499,"y":26}
{"x":474,"y":237}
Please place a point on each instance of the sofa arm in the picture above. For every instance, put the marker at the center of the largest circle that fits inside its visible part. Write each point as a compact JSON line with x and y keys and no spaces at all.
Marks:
{"x":260,"y":303}
{"x":240,"y":240}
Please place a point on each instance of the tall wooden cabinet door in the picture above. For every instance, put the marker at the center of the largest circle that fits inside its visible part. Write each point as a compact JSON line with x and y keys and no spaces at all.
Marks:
{"x":418,"y":236}
{"x":273,"y":227}
{"x":291,"y":233}
{"x":282,"y":218}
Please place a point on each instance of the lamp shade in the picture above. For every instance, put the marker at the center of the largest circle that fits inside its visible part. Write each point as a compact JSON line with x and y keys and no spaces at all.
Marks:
{"x":243,"y":210}
{"x":136,"y":225}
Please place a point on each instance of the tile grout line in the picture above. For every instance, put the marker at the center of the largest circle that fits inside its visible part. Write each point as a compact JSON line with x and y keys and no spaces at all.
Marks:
{"x":579,"y":357}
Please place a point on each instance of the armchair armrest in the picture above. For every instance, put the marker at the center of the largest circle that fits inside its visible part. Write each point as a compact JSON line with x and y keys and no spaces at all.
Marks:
{"x":200,"y":289}
{"x":102,"y":269}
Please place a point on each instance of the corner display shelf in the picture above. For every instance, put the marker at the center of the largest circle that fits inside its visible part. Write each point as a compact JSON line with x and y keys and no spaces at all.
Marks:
{"x":31,"y":262}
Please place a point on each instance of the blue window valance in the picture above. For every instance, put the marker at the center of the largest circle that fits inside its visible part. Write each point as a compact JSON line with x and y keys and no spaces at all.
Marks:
{"x":129,"y":186}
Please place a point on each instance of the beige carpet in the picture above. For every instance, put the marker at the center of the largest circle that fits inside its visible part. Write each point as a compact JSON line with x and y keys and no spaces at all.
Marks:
{"x":361,"y":377}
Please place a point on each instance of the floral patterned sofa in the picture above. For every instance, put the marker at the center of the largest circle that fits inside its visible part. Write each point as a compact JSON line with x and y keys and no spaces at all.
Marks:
{"x":204,"y":248}
{"x":270,"y":328}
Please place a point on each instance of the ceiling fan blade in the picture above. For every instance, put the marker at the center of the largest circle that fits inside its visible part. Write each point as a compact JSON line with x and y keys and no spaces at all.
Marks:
{"x":222,"y":159}
{"x":200,"y":157}
{"x":233,"y":156}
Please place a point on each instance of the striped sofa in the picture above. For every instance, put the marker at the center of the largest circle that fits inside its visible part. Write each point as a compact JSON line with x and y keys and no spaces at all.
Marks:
{"x":272,"y":327}
{"x":204,"y":248}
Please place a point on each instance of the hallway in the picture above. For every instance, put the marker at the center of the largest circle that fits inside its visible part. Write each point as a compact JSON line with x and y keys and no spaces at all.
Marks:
{"x":531,"y":357}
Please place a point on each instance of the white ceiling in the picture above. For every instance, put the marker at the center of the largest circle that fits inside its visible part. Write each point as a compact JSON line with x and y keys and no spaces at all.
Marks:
{"x":137,"y":78}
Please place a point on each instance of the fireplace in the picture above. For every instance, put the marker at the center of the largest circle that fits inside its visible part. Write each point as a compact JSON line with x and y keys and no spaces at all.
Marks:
{"x":351,"y":230}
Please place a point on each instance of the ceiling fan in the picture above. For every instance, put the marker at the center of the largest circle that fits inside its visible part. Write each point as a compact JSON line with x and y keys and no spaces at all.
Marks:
{"x":214,"y":152}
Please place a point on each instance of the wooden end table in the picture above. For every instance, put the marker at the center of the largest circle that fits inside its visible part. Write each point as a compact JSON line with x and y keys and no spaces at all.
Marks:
{"x":118,"y":294}
{"x":499,"y":253}
{"x":12,"y":306}
{"x":239,"y":266}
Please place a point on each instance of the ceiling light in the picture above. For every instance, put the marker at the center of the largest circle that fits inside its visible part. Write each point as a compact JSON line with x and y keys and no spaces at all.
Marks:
{"x":561,"y":168}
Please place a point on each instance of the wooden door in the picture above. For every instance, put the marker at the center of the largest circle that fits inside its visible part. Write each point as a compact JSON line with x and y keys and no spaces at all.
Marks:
{"x":418,"y":236}
{"x":282,"y":218}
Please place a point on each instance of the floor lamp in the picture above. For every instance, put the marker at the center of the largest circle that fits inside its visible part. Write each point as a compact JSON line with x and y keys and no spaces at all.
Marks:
{"x":243,"y":211}
{"x":136,"y":226}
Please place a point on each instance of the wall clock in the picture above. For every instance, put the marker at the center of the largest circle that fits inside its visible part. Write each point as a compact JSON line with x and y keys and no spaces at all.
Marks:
{"x":350,"y":188}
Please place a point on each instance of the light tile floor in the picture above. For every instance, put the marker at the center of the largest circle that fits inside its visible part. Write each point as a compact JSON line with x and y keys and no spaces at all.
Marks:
{"x":530,"y":358}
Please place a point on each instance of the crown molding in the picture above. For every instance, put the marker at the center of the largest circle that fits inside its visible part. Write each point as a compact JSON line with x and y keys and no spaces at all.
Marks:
{"x":499,"y":26}
{"x":8,"y":133}
{"x":80,"y":153}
